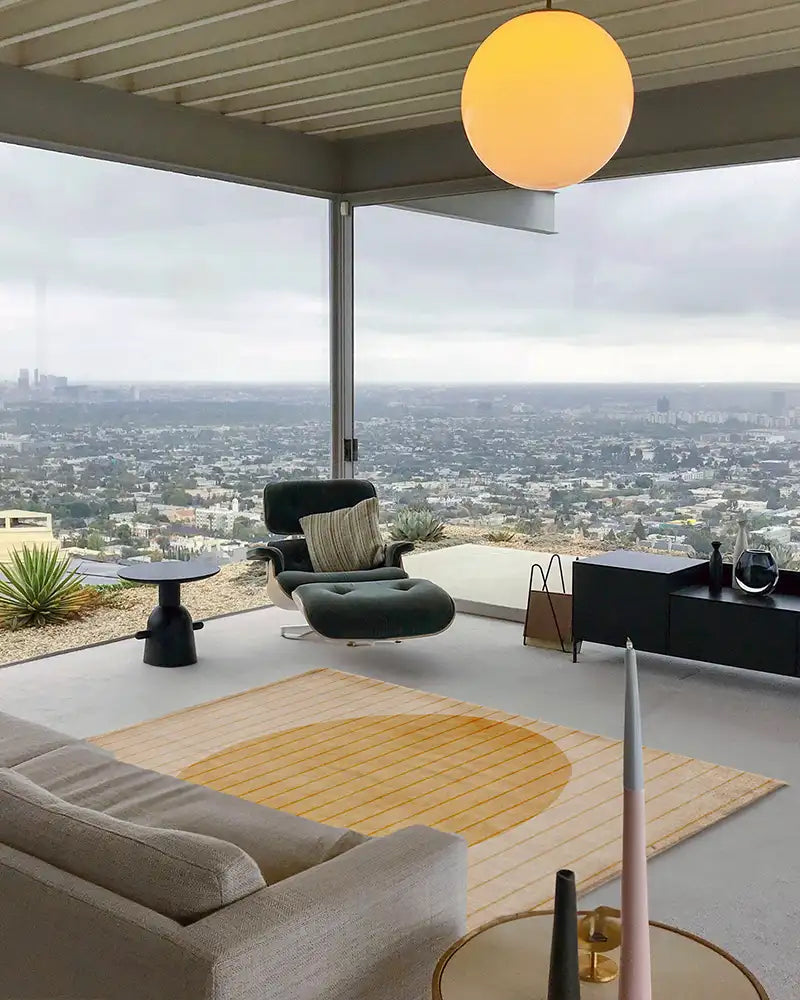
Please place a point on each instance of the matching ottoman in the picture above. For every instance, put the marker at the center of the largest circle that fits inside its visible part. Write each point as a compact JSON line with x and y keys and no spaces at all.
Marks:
{"x":379,"y":611}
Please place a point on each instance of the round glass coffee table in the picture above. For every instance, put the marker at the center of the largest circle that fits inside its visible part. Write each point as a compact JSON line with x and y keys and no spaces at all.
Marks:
{"x":169,"y":636}
{"x":509,"y":959}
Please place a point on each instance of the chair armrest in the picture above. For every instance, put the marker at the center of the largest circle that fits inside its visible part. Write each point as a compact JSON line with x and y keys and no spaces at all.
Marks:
{"x":369,"y":924}
{"x":294,"y":553}
{"x":395,"y":552}
{"x":284,"y":554}
{"x":267,"y":553}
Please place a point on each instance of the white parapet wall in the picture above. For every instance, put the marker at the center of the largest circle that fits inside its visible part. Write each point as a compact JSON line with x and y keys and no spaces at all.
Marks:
{"x":24,"y":527}
{"x":485,"y":579}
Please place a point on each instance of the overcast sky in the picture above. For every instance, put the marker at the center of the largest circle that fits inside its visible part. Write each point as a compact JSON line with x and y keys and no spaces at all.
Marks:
{"x":150,"y":275}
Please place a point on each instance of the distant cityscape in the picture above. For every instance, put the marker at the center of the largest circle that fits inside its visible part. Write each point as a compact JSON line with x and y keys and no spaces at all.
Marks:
{"x":32,"y":386}
{"x":173,"y":470}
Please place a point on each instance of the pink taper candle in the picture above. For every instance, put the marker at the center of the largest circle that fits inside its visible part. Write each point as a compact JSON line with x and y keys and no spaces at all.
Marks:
{"x":634,"y":977}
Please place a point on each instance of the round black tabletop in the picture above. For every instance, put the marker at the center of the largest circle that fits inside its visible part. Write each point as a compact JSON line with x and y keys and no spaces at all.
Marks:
{"x":168,"y":571}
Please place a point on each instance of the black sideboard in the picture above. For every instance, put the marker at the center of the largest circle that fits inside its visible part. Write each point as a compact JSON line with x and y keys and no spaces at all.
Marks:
{"x":663,"y":604}
{"x":626,"y":594}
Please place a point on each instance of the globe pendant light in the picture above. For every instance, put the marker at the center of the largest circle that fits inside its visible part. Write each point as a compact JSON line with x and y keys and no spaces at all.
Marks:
{"x":547,"y":99}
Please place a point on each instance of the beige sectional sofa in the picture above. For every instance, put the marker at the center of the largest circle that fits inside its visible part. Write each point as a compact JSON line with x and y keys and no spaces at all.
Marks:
{"x":118,"y":883}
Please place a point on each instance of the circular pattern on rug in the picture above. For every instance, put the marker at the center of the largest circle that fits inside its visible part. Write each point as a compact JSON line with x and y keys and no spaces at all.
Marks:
{"x":376,"y":773}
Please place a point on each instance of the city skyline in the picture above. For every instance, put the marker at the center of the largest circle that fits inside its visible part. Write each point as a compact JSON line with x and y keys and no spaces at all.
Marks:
{"x":182,"y":470}
{"x":648,"y":280}
{"x":8,"y":378}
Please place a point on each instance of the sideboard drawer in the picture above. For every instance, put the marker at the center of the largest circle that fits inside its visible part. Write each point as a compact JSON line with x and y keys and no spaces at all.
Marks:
{"x":737,"y":634}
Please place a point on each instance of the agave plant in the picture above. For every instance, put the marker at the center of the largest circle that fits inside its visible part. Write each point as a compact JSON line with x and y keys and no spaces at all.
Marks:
{"x":38,"y":588}
{"x":416,"y":525}
{"x":501,"y":535}
{"x":785,"y":557}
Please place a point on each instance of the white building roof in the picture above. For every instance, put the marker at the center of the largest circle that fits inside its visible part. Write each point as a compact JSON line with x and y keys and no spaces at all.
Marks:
{"x":23,"y":513}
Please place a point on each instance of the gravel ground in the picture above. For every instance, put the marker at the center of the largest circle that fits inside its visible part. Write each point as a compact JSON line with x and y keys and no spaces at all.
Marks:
{"x":468,"y":534}
{"x":238,"y":587}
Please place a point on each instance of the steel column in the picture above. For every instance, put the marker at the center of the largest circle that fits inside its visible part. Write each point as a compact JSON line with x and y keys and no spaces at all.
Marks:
{"x":343,"y":446}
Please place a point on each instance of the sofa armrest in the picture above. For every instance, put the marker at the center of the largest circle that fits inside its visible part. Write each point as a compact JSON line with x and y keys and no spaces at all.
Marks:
{"x":369,"y":924}
{"x":67,"y":938}
{"x":395,"y":552}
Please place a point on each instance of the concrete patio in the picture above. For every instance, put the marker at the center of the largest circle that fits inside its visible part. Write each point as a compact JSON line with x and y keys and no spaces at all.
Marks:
{"x":737,"y":884}
{"x":488,"y":579}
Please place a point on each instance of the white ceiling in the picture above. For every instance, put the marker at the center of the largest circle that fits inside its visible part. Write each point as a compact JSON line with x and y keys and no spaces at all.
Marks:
{"x":345,"y":69}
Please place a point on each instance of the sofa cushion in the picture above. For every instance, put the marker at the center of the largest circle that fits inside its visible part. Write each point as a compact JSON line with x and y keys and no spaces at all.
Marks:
{"x":20,"y":740}
{"x":281,"y":844}
{"x":341,"y":541}
{"x":181,"y":875}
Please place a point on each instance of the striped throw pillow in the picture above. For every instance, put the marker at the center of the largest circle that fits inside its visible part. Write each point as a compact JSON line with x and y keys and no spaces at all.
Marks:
{"x":342,"y":541}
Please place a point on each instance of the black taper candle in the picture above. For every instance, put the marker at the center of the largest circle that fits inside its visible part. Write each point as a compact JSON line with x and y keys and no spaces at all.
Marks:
{"x":565,"y":981}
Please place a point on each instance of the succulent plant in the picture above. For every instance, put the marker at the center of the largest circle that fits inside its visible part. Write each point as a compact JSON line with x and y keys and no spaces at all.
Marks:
{"x":501,"y":535}
{"x":785,"y":557}
{"x":414,"y":524}
{"x":38,"y":588}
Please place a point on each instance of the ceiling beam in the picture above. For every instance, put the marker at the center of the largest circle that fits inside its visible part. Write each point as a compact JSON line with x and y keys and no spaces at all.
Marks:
{"x":613,"y":19}
{"x":743,"y":119}
{"x":48,"y":17}
{"x":260,"y":92}
{"x":450,"y":75}
{"x":192,"y":53}
{"x":528,"y":211}
{"x":109,"y":38}
{"x":737,"y":120}
{"x":389,"y":123}
{"x":438,"y":93}
{"x":451,"y":96}
{"x":55,"y":113}
{"x":6,"y":4}
{"x":182,"y":81}
{"x":419,"y":163}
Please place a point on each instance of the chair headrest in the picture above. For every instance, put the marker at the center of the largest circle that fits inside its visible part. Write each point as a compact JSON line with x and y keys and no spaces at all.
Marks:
{"x":285,"y":503}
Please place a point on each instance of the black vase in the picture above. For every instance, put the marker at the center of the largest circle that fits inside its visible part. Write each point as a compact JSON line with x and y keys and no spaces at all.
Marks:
{"x":715,"y":570}
{"x":564,"y":981}
{"x":756,"y":572}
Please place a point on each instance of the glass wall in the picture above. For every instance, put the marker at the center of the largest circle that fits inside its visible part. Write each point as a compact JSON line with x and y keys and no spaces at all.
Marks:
{"x":631,"y":381}
{"x":165,"y":353}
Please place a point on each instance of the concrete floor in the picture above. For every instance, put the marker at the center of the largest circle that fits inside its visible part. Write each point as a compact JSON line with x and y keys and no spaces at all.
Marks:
{"x":737,"y":884}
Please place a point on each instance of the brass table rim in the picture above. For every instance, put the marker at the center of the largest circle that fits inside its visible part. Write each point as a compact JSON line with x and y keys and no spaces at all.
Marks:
{"x":458,"y":945}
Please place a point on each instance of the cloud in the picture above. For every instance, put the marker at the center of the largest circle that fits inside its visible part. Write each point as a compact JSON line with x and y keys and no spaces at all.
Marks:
{"x":715,"y":242}
{"x":149,"y":274}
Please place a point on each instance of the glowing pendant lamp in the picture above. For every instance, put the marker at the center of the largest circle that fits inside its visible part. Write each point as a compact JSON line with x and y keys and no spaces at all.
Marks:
{"x":547,"y":99}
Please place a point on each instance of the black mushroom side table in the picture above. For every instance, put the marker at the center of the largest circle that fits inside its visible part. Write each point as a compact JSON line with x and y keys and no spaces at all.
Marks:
{"x":169,"y":636}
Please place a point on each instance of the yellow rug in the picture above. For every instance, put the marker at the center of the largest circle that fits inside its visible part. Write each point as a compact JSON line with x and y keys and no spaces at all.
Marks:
{"x":528,"y":796}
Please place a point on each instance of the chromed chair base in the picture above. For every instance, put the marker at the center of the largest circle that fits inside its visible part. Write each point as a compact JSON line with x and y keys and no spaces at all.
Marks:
{"x":296,"y":631}
{"x":369,"y":642}
{"x":304,"y":631}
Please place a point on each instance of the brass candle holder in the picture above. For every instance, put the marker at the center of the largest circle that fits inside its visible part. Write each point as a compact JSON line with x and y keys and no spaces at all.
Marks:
{"x":598,"y":932}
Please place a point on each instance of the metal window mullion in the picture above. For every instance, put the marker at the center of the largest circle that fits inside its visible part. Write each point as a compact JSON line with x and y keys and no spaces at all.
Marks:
{"x":341,"y":337}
